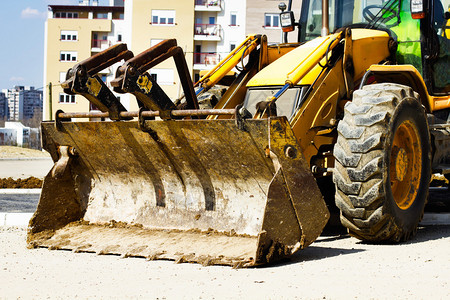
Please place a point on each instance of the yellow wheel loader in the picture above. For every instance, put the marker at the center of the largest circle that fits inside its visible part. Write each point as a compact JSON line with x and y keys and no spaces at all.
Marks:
{"x":358,"y":111}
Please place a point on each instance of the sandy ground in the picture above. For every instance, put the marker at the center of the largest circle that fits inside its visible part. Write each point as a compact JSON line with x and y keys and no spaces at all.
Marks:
{"x":25,"y":168}
{"x":334,"y":267}
{"x":19,"y":152}
{"x":17,"y":162}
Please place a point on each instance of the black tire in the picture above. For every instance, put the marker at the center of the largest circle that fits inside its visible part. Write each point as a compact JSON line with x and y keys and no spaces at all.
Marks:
{"x":382,"y":163}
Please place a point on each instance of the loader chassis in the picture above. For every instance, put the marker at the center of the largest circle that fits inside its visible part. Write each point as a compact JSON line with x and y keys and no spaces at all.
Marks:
{"x":360,"y":111}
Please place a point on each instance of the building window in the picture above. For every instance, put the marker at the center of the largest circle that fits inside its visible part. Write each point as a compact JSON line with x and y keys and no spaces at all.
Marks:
{"x":233,"y":19}
{"x":69,"y":15}
{"x":163,"y":17}
{"x":119,"y":37}
{"x":272,"y":20}
{"x":64,"y":98}
{"x":232,"y":46}
{"x":69,"y":35}
{"x":101,"y":16}
{"x":162,"y":76}
{"x":68,"y":56}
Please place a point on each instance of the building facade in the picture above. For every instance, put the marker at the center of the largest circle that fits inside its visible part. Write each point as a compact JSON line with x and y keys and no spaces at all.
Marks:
{"x":72,"y":34}
{"x":206,"y":30}
{"x":16,"y":134}
{"x":262,"y":16}
{"x":149,"y":22}
{"x":8,"y":136}
{"x":32,"y":103}
{"x":219,"y":27}
{"x":14,"y":103}
{"x":22,"y":102}
{"x":3,"y":103}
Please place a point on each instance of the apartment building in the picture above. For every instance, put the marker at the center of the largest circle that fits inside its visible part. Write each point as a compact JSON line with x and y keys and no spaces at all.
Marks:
{"x":3,"y":102}
{"x":14,"y":103}
{"x":149,"y":22}
{"x":21,"y":102}
{"x":32,"y":103}
{"x":219,"y":27}
{"x":206,"y":30}
{"x":72,"y":34}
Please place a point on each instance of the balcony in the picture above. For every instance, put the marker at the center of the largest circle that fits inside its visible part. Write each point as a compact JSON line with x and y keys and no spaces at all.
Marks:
{"x":208,"y":5}
{"x":205,"y":60}
{"x":207,"y":32}
{"x":100,"y":45}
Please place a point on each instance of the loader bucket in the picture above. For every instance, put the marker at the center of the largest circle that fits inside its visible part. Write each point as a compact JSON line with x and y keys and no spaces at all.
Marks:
{"x":186,"y":190}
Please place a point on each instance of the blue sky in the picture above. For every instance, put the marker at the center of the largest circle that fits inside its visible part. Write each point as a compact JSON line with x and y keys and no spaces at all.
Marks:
{"x":22,"y":24}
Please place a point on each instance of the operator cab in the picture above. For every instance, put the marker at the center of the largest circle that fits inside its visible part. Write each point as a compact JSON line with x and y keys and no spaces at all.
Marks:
{"x":422,"y":33}
{"x":375,"y":14}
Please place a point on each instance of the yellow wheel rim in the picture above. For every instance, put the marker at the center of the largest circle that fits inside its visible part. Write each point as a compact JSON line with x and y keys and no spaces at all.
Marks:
{"x":406,"y":164}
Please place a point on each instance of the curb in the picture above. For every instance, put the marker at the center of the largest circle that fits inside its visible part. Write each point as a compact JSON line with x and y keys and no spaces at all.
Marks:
{"x":26,"y":158}
{"x":15,"y":219}
{"x":19,"y":191}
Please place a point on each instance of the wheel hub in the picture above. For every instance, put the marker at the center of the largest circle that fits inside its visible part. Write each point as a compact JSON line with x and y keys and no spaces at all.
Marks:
{"x":406,"y":164}
{"x":401,"y":164}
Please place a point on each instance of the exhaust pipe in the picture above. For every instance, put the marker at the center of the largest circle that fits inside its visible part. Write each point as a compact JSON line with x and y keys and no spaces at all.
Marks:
{"x":325,"y":18}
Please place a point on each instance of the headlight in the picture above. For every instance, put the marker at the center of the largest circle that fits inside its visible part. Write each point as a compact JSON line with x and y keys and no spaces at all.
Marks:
{"x":417,"y":9}
{"x":287,"y":21}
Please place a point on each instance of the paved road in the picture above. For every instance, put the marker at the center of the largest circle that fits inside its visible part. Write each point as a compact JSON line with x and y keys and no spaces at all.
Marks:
{"x":22,"y":201}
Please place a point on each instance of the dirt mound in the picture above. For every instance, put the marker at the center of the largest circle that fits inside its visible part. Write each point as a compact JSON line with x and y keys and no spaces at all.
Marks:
{"x":27,"y":183}
{"x":19,"y":152}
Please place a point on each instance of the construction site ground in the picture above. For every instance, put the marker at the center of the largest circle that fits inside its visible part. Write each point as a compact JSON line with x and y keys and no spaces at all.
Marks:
{"x":336,"y":266}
